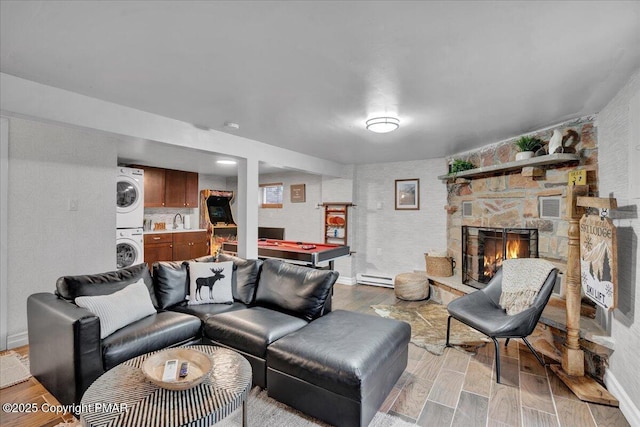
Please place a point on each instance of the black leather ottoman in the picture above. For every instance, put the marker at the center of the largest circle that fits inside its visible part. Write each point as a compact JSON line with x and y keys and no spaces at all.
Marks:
{"x":340,"y":367}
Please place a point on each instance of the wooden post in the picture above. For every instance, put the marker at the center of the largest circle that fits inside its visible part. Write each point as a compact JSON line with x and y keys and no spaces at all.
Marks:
{"x":573,"y":356}
{"x":572,"y":370}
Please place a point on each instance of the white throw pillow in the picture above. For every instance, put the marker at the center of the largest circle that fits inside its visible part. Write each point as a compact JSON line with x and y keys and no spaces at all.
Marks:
{"x":210,"y":282}
{"x":119,"y":309}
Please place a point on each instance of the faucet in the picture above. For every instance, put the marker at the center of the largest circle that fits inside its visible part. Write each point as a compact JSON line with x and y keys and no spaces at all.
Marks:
{"x":175,"y":223}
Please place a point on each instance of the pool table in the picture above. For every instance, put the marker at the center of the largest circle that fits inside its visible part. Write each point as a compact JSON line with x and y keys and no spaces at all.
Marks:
{"x":310,"y":253}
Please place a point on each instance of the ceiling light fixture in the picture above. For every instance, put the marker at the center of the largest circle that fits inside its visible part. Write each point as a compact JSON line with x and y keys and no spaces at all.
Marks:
{"x":231,"y":125}
{"x":226,"y":162}
{"x":383,"y":124}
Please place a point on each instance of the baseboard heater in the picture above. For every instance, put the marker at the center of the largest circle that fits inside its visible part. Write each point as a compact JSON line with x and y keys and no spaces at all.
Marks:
{"x":375,"y":280}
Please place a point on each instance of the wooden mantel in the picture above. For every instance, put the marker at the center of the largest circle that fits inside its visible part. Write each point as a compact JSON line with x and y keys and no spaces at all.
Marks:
{"x":549,"y":159}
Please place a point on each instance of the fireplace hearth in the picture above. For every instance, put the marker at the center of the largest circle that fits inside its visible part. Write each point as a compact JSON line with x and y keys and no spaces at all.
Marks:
{"x":484,"y":249}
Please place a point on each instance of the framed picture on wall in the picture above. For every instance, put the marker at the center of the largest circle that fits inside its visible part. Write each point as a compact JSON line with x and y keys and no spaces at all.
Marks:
{"x":298,"y":193}
{"x":407,"y":194}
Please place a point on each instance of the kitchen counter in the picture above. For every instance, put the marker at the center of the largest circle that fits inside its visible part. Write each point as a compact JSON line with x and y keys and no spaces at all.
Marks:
{"x":180,"y":230}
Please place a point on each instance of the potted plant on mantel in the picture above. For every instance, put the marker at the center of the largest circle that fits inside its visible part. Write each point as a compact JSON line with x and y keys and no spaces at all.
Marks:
{"x":527,"y":146}
{"x":459,"y":165}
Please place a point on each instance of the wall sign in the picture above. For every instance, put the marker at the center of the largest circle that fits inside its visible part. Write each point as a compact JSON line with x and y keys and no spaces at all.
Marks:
{"x":578,"y":177}
{"x":298,"y":193}
{"x":599,"y":260}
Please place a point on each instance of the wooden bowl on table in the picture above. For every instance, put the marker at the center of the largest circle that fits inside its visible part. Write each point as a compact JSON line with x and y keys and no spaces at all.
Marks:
{"x":200,"y":365}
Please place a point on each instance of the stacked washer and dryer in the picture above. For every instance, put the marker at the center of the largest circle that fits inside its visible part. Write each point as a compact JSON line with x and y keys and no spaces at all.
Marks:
{"x":129,"y":217}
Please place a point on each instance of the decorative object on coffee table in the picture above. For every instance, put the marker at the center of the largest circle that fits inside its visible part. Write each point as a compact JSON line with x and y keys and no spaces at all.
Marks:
{"x":200,"y":366}
{"x":411,"y":286}
{"x":135,"y":400}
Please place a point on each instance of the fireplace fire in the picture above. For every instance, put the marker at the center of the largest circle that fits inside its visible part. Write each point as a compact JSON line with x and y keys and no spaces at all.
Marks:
{"x":484,"y":249}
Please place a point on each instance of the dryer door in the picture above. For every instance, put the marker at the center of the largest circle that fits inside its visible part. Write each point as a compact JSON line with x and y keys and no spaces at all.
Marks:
{"x":126,"y":253}
{"x":128,"y":194}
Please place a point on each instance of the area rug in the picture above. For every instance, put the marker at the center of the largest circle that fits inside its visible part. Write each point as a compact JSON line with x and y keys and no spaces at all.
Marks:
{"x":429,"y":327}
{"x":14,"y":369}
{"x":265,"y":411}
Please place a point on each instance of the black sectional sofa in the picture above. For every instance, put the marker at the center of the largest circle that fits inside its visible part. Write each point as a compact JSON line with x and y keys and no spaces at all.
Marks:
{"x":337,"y":366}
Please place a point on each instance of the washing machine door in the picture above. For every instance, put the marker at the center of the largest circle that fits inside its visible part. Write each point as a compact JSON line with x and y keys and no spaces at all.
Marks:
{"x":128,"y":194}
{"x":126,"y":254}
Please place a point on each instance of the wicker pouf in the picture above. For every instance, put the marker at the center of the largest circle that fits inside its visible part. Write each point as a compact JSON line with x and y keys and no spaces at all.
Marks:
{"x":411,"y":286}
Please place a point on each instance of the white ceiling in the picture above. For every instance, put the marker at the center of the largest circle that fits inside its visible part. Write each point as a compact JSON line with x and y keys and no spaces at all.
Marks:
{"x":306,"y":75}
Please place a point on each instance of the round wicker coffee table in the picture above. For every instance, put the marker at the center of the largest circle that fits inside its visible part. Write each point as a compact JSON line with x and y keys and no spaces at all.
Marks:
{"x":123,"y":396}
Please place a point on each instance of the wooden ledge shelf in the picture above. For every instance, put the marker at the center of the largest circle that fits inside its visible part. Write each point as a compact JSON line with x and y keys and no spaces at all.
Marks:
{"x":549,"y":159}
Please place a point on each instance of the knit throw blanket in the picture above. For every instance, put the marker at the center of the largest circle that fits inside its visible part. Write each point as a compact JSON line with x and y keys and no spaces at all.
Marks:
{"x":522,"y":279}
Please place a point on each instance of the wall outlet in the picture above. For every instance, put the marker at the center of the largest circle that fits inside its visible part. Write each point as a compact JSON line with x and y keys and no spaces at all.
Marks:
{"x":73,"y":204}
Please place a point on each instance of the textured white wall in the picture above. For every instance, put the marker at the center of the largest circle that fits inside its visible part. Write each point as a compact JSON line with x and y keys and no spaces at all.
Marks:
{"x":341,"y":190}
{"x":48,"y":165}
{"x":390,"y":241}
{"x":615,"y":144}
{"x":302,"y":221}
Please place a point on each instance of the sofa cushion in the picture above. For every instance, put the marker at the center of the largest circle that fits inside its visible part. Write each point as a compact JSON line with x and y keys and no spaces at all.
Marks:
{"x":70,"y":287}
{"x":250,"y":330}
{"x":155,"y":332}
{"x":170,"y":281}
{"x":120,"y":308}
{"x":203,"y":311}
{"x":345,"y":352}
{"x":294,"y":289}
{"x":210,"y":282}
{"x":245,"y":277}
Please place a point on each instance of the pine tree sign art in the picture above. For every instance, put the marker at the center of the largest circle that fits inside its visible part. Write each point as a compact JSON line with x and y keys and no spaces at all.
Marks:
{"x":599,"y":260}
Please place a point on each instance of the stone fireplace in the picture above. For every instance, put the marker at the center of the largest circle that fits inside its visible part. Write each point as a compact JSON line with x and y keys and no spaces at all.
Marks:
{"x":484,"y":249}
{"x":513,"y":199}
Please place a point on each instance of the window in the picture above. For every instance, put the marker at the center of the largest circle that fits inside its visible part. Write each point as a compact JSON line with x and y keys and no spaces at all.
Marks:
{"x":271,"y":195}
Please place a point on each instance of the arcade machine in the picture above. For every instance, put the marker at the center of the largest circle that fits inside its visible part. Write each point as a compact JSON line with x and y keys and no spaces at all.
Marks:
{"x":216,"y":217}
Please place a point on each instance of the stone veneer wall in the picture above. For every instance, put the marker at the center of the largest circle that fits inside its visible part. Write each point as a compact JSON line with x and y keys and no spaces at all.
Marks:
{"x":509,"y":199}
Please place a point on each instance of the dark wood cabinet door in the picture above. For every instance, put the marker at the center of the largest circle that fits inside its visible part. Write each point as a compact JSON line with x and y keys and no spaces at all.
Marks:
{"x":175,"y":184}
{"x":153,"y":187}
{"x":192,"y":196}
{"x":158,"y":247}
{"x":199,"y":249}
{"x":158,"y":252}
{"x":189,"y":245}
{"x":181,"y":251}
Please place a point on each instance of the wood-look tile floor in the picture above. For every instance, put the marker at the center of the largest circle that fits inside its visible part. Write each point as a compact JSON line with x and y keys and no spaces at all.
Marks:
{"x":30,"y":392}
{"x":455,"y":389}
{"x":459,"y":389}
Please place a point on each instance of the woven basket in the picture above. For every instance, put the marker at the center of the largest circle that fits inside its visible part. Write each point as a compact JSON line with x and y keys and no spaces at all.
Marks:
{"x":440,"y":266}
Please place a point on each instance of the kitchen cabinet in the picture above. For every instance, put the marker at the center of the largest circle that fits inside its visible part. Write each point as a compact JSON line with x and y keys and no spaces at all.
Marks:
{"x":158,"y":247}
{"x":192,"y":195}
{"x":154,"y":183}
{"x":175,"y":246}
{"x":181,"y":189}
{"x":190,"y":245}
{"x":170,"y":188}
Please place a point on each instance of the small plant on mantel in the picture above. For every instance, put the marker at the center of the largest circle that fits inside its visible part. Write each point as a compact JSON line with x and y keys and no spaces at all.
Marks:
{"x":459,"y":165}
{"x":527,"y":145}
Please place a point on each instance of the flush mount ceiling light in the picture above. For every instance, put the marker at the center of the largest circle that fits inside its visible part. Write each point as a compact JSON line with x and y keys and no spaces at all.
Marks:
{"x":226,"y":162}
{"x":383,"y":124}
{"x":231,"y":125}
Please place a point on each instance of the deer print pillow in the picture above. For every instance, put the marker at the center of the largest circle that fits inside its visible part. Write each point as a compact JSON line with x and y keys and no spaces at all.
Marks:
{"x":210,"y":282}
